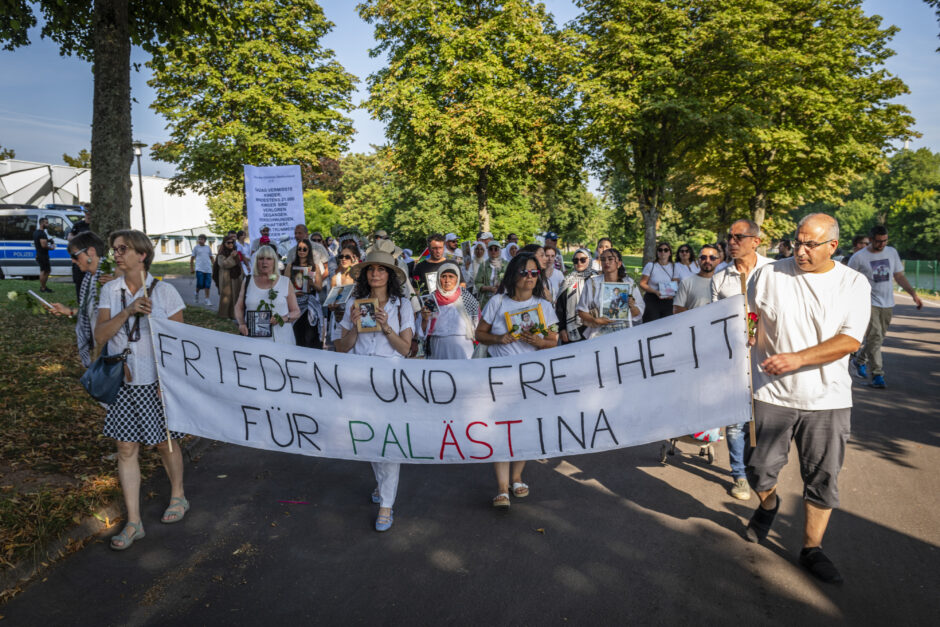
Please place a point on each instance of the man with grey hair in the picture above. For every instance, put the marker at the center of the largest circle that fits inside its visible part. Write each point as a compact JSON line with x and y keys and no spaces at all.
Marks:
{"x":743,"y":240}
{"x":812,"y":314}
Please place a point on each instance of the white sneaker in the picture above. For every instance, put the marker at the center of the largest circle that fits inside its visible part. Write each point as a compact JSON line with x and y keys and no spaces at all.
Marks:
{"x":208,"y":302}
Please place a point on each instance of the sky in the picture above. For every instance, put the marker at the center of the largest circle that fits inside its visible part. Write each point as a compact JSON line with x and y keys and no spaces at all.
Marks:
{"x":47,"y":99}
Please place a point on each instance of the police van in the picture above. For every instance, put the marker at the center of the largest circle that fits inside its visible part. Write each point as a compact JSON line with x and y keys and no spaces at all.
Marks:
{"x":18,"y":224}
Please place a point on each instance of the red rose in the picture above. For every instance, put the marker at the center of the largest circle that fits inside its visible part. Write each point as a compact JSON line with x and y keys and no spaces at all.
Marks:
{"x":752,"y":317}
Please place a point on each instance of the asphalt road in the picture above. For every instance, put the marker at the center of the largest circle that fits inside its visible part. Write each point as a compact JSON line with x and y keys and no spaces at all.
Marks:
{"x":611,"y":538}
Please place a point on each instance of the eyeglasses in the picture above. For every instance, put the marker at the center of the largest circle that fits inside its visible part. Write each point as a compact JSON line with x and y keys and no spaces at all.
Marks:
{"x":738,"y":236}
{"x":811,"y":246}
{"x":76,"y":254}
{"x":230,"y":242}
{"x":685,"y":250}
{"x":580,"y":259}
{"x":708,"y":257}
{"x":350,"y":257}
{"x":303,"y":250}
{"x":662,"y":250}
{"x":531,"y":273}
{"x":316,"y":241}
{"x":120,"y":250}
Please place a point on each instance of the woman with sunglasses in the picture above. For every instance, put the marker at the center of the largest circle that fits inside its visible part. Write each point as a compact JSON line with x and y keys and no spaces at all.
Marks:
{"x":589,"y":307}
{"x":136,"y":416}
{"x":265,"y":290}
{"x":566,"y":303}
{"x":379,"y":277}
{"x":347,"y":258}
{"x":660,"y":281}
{"x":519,"y":290}
{"x":227,"y":274}
{"x":489,"y":274}
{"x":306,"y":278}
{"x":685,"y":262}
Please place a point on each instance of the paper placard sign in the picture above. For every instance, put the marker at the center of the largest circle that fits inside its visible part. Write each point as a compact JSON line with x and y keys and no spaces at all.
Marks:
{"x":275,"y":198}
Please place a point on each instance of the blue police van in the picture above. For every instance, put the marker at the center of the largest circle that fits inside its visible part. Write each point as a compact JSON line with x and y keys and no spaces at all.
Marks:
{"x":18,"y":223}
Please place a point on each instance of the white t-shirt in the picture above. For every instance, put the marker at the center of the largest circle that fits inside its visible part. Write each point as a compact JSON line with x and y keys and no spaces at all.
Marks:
{"x":798,"y":310}
{"x":879,"y":268}
{"x":494,"y":314}
{"x":727,"y":283}
{"x":166,"y":302}
{"x":694,"y":291}
{"x":663,"y":276}
{"x":683,"y":271}
{"x":245,"y":250}
{"x":554,"y":282}
{"x":591,"y":300}
{"x":400,"y":317}
{"x":203,"y":256}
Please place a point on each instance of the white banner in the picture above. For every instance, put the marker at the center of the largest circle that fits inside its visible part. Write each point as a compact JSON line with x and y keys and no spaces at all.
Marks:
{"x":679,"y":375}
{"x":274,"y":197}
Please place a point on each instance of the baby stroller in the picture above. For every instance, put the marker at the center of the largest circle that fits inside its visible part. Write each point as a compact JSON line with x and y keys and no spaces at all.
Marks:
{"x":702,"y":438}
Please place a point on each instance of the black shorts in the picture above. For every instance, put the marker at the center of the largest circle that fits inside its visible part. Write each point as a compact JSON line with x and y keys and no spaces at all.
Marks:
{"x":820,"y":438}
{"x":44,"y":265}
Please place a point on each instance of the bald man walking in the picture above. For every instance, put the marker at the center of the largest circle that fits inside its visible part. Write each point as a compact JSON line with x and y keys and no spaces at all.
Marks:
{"x":812,"y":314}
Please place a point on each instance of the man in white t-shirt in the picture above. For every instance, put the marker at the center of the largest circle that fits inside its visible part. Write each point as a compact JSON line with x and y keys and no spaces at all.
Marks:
{"x":743,"y":240}
{"x":879,"y":263}
{"x":812,"y":314}
{"x":695,"y":290}
{"x":200,"y":263}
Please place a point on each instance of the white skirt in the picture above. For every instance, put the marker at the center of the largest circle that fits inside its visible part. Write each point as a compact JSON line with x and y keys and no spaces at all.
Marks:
{"x":451,"y":347}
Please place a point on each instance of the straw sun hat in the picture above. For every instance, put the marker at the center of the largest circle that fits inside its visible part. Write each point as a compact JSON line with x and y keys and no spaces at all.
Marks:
{"x":381,"y":254}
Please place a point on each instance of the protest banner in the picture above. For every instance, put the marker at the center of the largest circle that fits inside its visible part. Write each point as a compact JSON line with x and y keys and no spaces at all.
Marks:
{"x":274,"y":198}
{"x":675,"y":376}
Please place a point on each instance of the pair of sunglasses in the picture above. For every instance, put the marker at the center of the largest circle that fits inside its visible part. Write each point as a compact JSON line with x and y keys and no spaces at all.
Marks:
{"x":532,"y":273}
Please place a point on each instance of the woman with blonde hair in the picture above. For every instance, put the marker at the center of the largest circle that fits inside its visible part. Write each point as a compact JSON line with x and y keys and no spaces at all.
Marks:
{"x":266,"y":290}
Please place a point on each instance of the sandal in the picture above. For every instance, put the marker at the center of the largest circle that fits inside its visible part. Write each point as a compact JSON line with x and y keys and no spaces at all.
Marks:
{"x":176,"y":510}
{"x":127,"y":540}
{"x":759,"y":526}
{"x":501,"y":501}
{"x":520,"y":490}
{"x":384,"y":522}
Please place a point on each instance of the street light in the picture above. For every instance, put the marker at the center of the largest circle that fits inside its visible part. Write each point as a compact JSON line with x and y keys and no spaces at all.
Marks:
{"x":138,"y":148}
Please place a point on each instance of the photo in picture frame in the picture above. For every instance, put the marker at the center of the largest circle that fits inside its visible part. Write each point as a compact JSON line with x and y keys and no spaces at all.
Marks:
{"x":339,"y":294}
{"x":367,"y":322}
{"x":258,"y":323}
{"x":524,"y":319}
{"x":300,"y":278}
{"x":615,"y":301}
{"x":430,"y":303}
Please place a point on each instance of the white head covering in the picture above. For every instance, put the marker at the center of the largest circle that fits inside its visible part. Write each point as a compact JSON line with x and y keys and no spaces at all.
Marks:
{"x":448,"y":266}
{"x":507,"y":252}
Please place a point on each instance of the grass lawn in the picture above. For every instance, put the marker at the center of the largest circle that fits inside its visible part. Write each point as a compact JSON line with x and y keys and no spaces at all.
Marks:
{"x":53,"y":459}
{"x":170,"y":267}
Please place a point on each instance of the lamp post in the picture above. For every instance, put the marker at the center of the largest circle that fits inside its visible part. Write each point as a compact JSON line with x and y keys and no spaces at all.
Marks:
{"x":138,"y":148}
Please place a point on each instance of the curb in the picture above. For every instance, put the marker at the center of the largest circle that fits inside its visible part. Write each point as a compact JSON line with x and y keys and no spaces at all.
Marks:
{"x":90,"y":527}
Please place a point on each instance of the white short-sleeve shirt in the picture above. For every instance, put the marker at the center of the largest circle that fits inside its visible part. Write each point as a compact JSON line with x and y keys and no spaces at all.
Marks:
{"x":727,"y":282}
{"x":879,"y":268}
{"x":591,"y":297}
{"x":203,"y":256}
{"x":798,"y":310}
{"x":694,"y":291}
{"x":166,"y":302}
{"x":494,"y":314}
{"x":400,"y":317}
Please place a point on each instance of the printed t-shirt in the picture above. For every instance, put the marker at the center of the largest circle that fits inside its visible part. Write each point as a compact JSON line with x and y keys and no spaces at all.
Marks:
{"x":879,"y":268}
{"x":798,"y":310}
{"x":494,"y":314}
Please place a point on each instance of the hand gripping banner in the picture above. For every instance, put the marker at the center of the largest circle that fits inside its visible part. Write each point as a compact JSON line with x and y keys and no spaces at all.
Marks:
{"x":679,"y":375}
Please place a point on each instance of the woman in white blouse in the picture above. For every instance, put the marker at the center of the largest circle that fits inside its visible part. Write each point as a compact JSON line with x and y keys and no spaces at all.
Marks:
{"x":519,"y":290}
{"x":136,"y":416}
{"x":379,"y":277}
{"x":685,"y":262}
{"x":660,"y":281}
{"x":590,"y":310}
{"x":266,"y":290}
{"x":451,"y":324}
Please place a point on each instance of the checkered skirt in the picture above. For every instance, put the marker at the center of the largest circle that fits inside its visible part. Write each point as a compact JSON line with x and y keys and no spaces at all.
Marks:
{"x":136,"y":415}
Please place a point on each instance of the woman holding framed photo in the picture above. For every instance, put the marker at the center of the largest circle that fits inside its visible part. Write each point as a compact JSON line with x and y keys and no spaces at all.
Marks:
{"x":660,"y":281}
{"x":267,"y":304}
{"x":136,"y":417}
{"x":489,"y":274}
{"x":518,"y":294}
{"x":379,"y":278}
{"x":605,"y":306}
{"x":451,"y":319}
{"x":347,"y":258}
{"x":306,"y":279}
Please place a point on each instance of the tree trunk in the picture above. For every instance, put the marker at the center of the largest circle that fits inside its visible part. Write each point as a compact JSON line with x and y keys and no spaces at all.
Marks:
{"x":483,"y":202}
{"x":111,"y":151}
{"x":649,"y":209}
{"x":758,"y":206}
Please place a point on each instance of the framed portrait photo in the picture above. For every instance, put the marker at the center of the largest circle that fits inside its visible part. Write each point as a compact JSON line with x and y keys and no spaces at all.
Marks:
{"x":367,"y":308}
{"x":339,"y":294}
{"x":258,"y":323}
{"x":615,"y":301}
{"x":524,"y":319}
{"x":430,"y":303}
{"x":299,"y":278}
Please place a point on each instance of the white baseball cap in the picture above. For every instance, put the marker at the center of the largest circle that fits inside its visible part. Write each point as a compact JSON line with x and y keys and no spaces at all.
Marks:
{"x":450,"y":237}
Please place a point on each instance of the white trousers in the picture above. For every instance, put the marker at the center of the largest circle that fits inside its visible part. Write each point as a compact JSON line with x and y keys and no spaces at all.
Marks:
{"x":386,"y":475}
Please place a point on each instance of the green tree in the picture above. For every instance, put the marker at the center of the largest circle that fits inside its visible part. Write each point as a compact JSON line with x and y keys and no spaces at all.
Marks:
{"x":102,"y":32}
{"x":259,"y":89}
{"x":7,"y":153}
{"x":914,"y":221}
{"x":474,"y":95}
{"x":83,"y":160}
{"x":319,"y":213}
{"x":227,"y":210}
{"x":813,"y":109}
{"x":654,"y":78}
